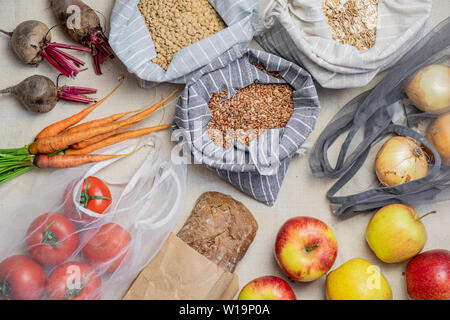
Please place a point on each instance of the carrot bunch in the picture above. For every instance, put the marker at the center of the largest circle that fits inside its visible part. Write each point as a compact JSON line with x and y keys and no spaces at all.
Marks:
{"x":67,"y":143}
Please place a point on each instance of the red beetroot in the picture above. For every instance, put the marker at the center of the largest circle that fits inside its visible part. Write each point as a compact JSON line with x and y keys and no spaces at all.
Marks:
{"x":31,"y":42}
{"x":82,"y":24}
{"x":39,"y":94}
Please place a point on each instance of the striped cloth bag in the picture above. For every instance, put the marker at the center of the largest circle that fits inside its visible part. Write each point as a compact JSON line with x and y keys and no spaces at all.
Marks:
{"x":257,"y":169}
{"x":298,"y":31}
{"x":132,"y":43}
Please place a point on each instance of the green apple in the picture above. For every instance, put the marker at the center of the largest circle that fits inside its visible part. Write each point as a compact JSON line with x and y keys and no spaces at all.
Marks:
{"x":395,"y":233}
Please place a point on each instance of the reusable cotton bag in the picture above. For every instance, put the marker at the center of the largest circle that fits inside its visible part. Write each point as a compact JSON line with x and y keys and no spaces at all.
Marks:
{"x":368,"y":120}
{"x":297,"y":30}
{"x":257,"y":169}
{"x":134,"y":46}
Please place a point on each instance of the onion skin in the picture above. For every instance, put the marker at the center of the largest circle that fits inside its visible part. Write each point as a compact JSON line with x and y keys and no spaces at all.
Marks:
{"x":438,"y":134}
{"x":400,"y":160}
{"x":429,"y":90}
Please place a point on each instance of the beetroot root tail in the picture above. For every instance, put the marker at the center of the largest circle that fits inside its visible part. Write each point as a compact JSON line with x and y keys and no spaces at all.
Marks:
{"x":9,"y":34}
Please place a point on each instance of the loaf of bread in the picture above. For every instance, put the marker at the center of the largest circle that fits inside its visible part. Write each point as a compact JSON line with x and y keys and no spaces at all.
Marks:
{"x":220,"y":228}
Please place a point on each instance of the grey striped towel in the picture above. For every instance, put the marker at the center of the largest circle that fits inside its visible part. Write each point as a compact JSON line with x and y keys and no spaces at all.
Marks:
{"x":132,"y":43}
{"x":258,"y":169}
{"x":298,"y":31}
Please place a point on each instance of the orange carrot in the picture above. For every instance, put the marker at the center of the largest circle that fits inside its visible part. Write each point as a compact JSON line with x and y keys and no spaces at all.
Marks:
{"x":97,"y":123}
{"x":63,"y":161}
{"x":140,"y":116}
{"x":58,"y":127}
{"x":86,"y":143}
{"x":116,"y":139}
{"x":47,"y":145}
{"x":144,"y":114}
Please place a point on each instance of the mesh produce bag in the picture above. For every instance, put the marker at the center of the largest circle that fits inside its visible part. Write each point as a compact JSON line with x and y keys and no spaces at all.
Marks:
{"x":369,"y":120}
{"x":257,"y":169}
{"x":298,"y":30}
{"x":147,"y":194}
{"x":133,"y":44}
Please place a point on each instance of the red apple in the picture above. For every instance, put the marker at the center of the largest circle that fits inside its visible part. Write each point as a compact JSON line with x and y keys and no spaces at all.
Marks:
{"x":428,"y":276}
{"x":305,"y":248}
{"x":267,"y":288}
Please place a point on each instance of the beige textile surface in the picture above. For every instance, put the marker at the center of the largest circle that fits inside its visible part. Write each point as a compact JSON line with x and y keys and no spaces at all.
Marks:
{"x":300,"y":193}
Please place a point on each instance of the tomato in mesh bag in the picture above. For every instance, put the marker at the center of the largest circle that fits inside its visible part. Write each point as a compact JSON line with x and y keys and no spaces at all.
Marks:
{"x":52,"y":239}
{"x":73,"y":281}
{"x":95,"y":196}
{"x":21,"y":278}
{"x":106,"y":247}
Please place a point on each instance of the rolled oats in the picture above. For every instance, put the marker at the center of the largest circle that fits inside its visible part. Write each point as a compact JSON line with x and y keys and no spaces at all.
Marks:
{"x":352,"y":22}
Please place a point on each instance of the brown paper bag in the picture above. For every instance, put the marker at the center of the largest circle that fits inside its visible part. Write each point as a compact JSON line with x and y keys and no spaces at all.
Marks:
{"x":178,"y":272}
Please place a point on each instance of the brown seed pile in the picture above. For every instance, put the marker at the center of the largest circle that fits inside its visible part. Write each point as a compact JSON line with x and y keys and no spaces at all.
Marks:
{"x":250,"y":112}
{"x":352,"y":22}
{"x":176,"y":24}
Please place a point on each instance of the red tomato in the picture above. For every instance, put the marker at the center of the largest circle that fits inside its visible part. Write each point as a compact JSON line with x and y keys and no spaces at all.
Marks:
{"x":52,"y":239}
{"x":21,"y":278}
{"x":95,"y":196}
{"x":73,"y":281}
{"x":106,"y":247}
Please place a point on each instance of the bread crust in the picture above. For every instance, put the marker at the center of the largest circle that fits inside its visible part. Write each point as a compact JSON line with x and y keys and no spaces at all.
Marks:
{"x":220,"y":228}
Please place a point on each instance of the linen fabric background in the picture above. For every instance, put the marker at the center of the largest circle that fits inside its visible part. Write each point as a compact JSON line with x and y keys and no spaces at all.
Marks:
{"x":300,"y":194}
{"x":258,"y":169}
{"x":297,"y":30}
{"x":133,"y":44}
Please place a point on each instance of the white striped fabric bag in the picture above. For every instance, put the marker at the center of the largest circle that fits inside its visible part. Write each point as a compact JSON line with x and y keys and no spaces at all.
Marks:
{"x":133,"y":44}
{"x":258,"y":169}
{"x":298,"y":30}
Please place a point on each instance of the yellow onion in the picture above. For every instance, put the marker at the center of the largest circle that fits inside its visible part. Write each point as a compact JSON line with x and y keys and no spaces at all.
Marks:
{"x":429,"y":90}
{"x":400,"y":160}
{"x":438,"y":134}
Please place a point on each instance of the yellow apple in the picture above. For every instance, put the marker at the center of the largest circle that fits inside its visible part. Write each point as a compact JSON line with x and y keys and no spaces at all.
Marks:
{"x":357,"y":279}
{"x":395,"y":233}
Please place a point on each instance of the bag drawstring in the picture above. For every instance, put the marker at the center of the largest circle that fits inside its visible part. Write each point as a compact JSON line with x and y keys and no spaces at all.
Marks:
{"x":269,"y":13}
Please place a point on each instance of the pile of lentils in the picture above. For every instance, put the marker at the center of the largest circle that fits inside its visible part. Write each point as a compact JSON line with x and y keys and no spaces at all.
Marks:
{"x":176,"y":24}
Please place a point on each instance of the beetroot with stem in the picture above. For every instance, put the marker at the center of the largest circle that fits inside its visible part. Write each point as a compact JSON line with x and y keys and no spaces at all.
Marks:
{"x":86,"y":30}
{"x":39,"y":94}
{"x":31,"y":42}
